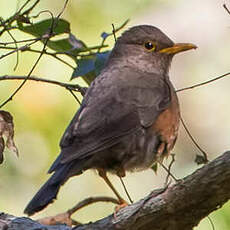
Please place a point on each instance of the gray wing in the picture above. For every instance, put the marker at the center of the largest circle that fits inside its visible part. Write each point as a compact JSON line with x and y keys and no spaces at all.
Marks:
{"x":111,"y":109}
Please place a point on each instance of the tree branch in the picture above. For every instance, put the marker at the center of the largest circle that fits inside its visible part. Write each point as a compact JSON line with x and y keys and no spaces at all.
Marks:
{"x":180,"y":206}
{"x":74,"y":87}
{"x":203,"y":83}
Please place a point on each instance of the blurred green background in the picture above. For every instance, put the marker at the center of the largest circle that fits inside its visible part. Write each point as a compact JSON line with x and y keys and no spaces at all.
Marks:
{"x":42,"y":112}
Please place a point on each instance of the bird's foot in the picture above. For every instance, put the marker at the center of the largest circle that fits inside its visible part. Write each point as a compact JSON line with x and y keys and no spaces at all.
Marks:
{"x":122,"y":204}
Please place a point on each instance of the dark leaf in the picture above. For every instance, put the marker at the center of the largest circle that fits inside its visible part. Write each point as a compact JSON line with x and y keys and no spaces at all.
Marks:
{"x":90,"y":67}
{"x":24,"y":19}
{"x":61,"y":45}
{"x":7,"y":131}
{"x":101,"y":58}
{"x":89,"y":77}
{"x":200,"y":159}
{"x":154,"y":167}
{"x":104,"y":35}
{"x":84,"y":66}
{"x":38,"y":29}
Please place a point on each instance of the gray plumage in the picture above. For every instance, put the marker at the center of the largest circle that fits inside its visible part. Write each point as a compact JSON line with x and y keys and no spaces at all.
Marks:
{"x":114,"y":128}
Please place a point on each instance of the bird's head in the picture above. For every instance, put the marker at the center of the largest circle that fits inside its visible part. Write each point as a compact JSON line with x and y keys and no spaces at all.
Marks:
{"x":147,"y":48}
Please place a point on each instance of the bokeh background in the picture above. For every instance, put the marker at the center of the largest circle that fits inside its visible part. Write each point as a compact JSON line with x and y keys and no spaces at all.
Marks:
{"x":42,"y":112}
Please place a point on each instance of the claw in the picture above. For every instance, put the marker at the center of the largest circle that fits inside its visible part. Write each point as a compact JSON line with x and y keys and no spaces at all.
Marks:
{"x":122,"y":204}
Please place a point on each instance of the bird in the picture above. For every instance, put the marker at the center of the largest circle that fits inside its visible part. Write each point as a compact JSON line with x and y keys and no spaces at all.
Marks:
{"x":129,"y":117}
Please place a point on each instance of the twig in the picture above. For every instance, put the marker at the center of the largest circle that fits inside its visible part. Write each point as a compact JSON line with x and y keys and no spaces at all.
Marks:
{"x":126,"y":191}
{"x":15,"y":16}
{"x":203,"y":83}
{"x":83,"y":50}
{"x":27,"y":48}
{"x":194,"y":141}
{"x":53,"y":24}
{"x":63,"y":9}
{"x":169,"y":169}
{"x":226,"y":8}
{"x":7,"y":23}
{"x":31,"y":8}
{"x":76,"y":98}
{"x":91,"y":200}
{"x":16,"y":47}
{"x":74,"y":87}
{"x":54,"y":55}
{"x":32,"y":69}
{"x":23,"y":6}
{"x":65,"y":217}
{"x":114,"y":31}
{"x":21,"y":41}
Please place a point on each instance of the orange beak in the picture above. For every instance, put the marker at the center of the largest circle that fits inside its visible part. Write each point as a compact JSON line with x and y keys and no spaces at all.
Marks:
{"x":178,"y":47}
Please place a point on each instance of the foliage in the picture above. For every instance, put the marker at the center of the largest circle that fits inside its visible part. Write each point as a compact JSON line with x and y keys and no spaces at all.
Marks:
{"x":89,"y":60}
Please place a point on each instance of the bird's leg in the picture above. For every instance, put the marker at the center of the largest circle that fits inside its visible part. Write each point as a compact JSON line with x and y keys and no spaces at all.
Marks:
{"x":102,"y":174}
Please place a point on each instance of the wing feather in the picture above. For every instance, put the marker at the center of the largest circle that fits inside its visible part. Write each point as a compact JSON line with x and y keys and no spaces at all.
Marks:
{"x":113,"y":108}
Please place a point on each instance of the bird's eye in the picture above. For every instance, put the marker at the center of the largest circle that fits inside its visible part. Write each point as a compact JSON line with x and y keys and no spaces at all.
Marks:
{"x":150,"y":46}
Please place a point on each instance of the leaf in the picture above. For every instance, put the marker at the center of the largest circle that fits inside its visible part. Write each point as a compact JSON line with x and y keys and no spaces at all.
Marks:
{"x":101,"y":58}
{"x":61,"y":45}
{"x":84,"y":66}
{"x":24,"y":19}
{"x":60,"y":26}
{"x":154,"y":167}
{"x":200,"y":159}
{"x":90,"y":67}
{"x":76,"y":43}
{"x":70,"y":46}
{"x":6,"y":130}
{"x":104,"y":35}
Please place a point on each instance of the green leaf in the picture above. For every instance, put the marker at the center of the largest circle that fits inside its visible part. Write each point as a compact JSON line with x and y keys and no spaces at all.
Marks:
{"x":38,"y":29}
{"x":61,"y":45}
{"x":70,"y":46}
{"x":154,"y":167}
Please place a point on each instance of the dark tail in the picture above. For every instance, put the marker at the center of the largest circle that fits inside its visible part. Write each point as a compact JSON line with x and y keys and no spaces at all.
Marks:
{"x":48,"y":192}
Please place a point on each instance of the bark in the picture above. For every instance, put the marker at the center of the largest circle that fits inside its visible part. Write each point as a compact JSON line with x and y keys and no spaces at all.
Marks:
{"x":181,"y":206}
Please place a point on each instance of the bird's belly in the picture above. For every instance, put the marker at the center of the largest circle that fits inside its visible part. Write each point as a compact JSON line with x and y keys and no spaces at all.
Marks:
{"x":135,"y":152}
{"x":143,"y":154}
{"x":139,"y":150}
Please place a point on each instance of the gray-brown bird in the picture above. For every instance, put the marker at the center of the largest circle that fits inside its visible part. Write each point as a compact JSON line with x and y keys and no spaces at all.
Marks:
{"x":128,"y":119}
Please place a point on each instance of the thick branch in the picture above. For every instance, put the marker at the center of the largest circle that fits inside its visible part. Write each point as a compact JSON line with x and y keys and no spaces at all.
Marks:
{"x":180,"y":206}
